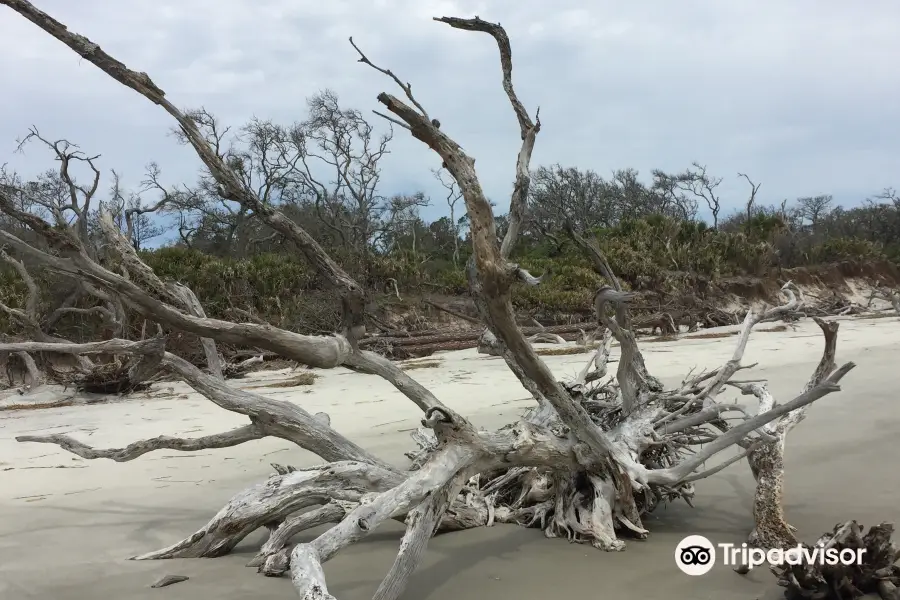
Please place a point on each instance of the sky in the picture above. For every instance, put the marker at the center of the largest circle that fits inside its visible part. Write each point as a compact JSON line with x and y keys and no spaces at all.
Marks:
{"x":799,"y":95}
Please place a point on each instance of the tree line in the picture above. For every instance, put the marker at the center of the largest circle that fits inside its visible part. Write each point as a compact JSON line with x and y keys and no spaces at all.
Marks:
{"x":324,"y":172}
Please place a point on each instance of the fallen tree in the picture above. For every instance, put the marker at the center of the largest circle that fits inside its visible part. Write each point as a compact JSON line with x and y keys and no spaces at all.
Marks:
{"x":885,"y":293}
{"x":587,"y":462}
{"x":413,"y":345}
{"x":435,"y":337}
{"x":70,"y":211}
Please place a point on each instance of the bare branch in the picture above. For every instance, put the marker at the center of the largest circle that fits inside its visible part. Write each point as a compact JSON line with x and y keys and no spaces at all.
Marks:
{"x":438,"y":471}
{"x":319,"y":351}
{"x":422,"y":523}
{"x":273,"y":558}
{"x":280,"y":419}
{"x":370,"y":362}
{"x":754,"y":316}
{"x":63,"y":193}
{"x":276,"y":499}
{"x":391,"y":119}
{"x":32,"y":297}
{"x":635,"y":382}
{"x":596,"y":256}
{"x":736,"y":434}
{"x":232,"y":188}
{"x":699,"y":183}
{"x":136,"y":449}
{"x":767,"y":461}
{"x":192,"y":304}
{"x":499,"y":34}
{"x":527,"y":128}
{"x":754,"y":188}
{"x":406,"y":87}
{"x":492,"y":277}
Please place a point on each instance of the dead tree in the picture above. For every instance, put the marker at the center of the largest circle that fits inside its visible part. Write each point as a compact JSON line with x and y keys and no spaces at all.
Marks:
{"x":883,"y":292}
{"x":772,"y":530}
{"x":754,"y":189}
{"x":586,"y":463}
{"x":702,"y":185}
{"x":814,"y":208}
{"x":83,"y":372}
{"x":453,"y":197}
{"x":131,"y":215}
{"x":70,"y":206}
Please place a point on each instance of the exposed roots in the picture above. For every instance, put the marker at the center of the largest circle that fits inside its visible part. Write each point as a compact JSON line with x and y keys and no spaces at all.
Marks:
{"x":877,"y":573}
{"x":106,"y":378}
{"x":583,"y":511}
{"x":122,"y":375}
{"x":273,"y":557}
{"x":276,"y":499}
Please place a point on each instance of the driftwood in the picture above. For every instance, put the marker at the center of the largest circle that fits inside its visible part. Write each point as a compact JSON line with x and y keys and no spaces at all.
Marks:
{"x":772,"y":530}
{"x":469,"y":335}
{"x":885,"y":293}
{"x":111,"y":374}
{"x":661,"y":321}
{"x":413,"y":346}
{"x":452,"y":312}
{"x":587,"y":462}
{"x":238,"y":370}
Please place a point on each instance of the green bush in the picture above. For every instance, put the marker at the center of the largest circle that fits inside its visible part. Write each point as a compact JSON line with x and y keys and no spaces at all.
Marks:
{"x":841,"y":249}
{"x":282,"y":288}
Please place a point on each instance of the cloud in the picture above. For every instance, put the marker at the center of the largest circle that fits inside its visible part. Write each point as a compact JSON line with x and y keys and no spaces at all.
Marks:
{"x":802,"y":95}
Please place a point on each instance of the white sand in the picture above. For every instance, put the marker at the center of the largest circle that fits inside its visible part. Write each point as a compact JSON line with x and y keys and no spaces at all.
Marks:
{"x":66,"y":523}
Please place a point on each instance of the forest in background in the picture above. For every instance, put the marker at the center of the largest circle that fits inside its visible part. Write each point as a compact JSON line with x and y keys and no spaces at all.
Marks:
{"x":324,"y":173}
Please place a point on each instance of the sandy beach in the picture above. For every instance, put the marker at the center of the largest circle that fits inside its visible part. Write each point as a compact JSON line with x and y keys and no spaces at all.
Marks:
{"x":67,"y":525}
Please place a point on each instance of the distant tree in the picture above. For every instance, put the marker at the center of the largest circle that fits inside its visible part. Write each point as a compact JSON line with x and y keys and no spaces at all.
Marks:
{"x":813,"y":208}
{"x":697,"y":181}
{"x":751,"y":200}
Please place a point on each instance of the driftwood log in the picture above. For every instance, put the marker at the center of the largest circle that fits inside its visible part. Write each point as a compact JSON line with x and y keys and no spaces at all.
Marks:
{"x":413,"y":345}
{"x":469,"y":335}
{"x":587,"y":462}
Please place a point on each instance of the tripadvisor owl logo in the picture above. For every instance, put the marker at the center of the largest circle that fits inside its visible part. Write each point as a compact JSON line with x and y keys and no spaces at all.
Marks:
{"x":696,"y":555}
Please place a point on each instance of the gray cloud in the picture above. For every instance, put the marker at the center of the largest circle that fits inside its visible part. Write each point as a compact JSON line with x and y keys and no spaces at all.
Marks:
{"x":801,"y":95}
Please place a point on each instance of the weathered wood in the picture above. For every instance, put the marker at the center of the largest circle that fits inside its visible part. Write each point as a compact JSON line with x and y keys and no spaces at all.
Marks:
{"x":277,"y":418}
{"x":585,"y":463}
{"x":193,"y":306}
{"x":767,"y":461}
{"x":452,"y":312}
{"x":470,"y":335}
{"x":276,"y":499}
{"x":877,"y":573}
{"x":167,"y":580}
{"x":281,"y":536}
{"x":421,"y":523}
{"x":136,"y":449}
{"x":661,"y":321}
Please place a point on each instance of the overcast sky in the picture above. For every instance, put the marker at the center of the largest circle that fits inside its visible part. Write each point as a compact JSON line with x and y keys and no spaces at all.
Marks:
{"x":800,"y":95}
